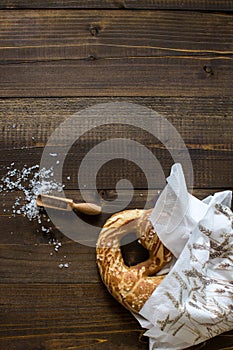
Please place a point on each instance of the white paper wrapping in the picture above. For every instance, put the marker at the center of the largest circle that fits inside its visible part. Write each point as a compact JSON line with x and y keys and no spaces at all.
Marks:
{"x":195,"y":300}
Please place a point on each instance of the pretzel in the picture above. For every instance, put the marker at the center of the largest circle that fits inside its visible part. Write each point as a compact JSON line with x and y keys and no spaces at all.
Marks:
{"x":133,"y":285}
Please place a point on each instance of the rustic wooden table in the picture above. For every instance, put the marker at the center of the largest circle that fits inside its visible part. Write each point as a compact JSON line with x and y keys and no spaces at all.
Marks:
{"x":59,"y":57}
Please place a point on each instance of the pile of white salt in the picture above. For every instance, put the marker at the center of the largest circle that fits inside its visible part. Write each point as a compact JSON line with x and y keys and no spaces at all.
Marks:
{"x":30,"y":182}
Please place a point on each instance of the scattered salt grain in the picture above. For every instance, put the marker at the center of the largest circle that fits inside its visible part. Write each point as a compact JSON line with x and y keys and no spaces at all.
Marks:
{"x":44,"y":229}
{"x":57,"y":162}
{"x":57,"y":245}
{"x":66,"y":265}
{"x":68,"y":178}
{"x":53,"y":154}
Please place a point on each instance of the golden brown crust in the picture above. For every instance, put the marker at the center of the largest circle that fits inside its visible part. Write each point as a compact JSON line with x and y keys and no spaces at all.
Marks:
{"x":131,"y":286}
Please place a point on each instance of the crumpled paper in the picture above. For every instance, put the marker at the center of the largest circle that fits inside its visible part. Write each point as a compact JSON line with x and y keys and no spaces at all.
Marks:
{"x":195,"y":300}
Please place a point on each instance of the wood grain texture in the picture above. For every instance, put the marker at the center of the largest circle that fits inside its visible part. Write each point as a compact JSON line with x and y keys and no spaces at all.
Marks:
{"x":90,"y":325}
{"x":205,"y":126}
{"x":58,"y":59}
{"x":207,"y":5}
{"x":115,"y":53}
{"x":49,"y":317}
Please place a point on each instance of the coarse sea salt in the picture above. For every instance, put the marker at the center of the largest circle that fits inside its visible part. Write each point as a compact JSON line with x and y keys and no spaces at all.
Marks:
{"x":66,"y":265}
{"x":31,"y":181}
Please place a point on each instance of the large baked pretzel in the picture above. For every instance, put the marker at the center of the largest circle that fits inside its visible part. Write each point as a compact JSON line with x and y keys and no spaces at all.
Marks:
{"x":131,"y":286}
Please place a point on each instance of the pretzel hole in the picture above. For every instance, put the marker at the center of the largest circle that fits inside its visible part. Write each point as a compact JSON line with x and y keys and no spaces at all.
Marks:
{"x":132,"y":252}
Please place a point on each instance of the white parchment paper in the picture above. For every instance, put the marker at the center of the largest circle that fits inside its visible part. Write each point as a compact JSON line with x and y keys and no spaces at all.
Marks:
{"x":195,"y":301}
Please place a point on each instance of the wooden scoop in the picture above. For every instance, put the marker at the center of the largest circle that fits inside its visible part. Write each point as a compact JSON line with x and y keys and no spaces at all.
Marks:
{"x":59,"y":203}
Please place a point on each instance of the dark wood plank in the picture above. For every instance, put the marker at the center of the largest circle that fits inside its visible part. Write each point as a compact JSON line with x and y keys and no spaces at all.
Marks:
{"x":142,"y":77}
{"x":29,"y":255}
{"x":55,"y":316}
{"x":35,"y":264}
{"x":214,"y":5}
{"x":42,"y":34}
{"x":204,"y":124}
{"x":109,"y":53}
{"x":211,"y":168}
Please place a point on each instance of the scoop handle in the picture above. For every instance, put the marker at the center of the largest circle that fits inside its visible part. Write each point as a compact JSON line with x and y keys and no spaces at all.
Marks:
{"x":87,"y":208}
